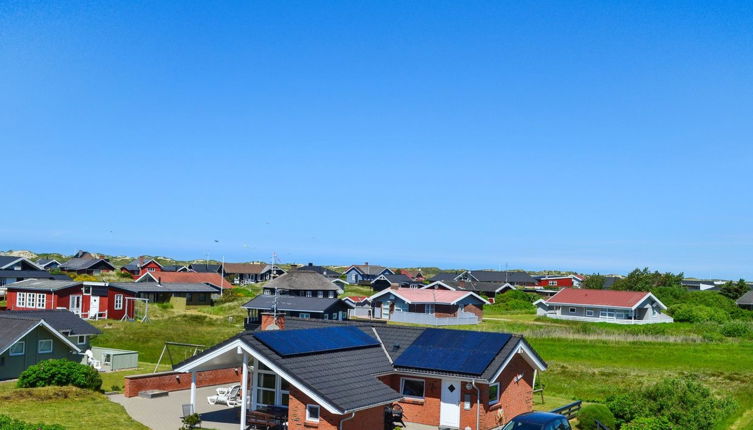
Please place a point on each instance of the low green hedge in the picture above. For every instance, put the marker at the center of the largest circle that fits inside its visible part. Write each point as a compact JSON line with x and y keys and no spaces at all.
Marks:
{"x":60,"y":373}
{"x":8,"y":423}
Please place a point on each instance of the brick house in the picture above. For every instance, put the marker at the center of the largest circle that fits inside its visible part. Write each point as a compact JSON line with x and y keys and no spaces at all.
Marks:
{"x":341,"y":375}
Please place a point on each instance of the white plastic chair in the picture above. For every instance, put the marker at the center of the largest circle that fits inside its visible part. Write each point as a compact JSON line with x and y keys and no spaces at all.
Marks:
{"x":230,"y":396}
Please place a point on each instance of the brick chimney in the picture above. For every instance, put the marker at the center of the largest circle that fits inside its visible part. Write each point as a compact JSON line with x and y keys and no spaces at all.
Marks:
{"x":268,"y":321}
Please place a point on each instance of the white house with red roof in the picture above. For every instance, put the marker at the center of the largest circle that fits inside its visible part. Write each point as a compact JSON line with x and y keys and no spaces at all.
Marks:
{"x":621,"y":307}
{"x":435,"y":307}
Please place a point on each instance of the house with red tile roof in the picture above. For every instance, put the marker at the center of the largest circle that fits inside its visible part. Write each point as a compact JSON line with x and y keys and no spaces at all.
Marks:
{"x":435,"y":307}
{"x":621,"y":307}
{"x":213,"y":279}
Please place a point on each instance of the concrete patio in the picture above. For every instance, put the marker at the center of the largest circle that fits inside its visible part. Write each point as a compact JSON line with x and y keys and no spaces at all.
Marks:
{"x":164,"y":412}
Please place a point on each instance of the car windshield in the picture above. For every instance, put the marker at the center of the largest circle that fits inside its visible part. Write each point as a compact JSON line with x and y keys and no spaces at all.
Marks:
{"x":516,"y":425}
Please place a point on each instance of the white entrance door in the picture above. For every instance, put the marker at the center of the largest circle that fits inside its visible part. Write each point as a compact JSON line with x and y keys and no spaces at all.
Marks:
{"x":75,"y":305}
{"x":93,"y":306}
{"x":449,"y":412}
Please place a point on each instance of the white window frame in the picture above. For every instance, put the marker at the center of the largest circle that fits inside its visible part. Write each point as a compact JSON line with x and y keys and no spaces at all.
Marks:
{"x":304,"y":315}
{"x":572,"y":310}
{"x":494,"y":401}
{"x":81,"y":339}
{"x":23,"y":349}
{"x":429,"y":308}
{"x":279,"y":392}
{"x":21,"y":300}
{"x":589,"y":312}
{"x":308,"y":414}
{"x":402,"y":388}
{"x":41,"y":300}
{"x":552,"y":283}
{"x":331,"y":294}
{"x":118,"y":302}
{"x":308,"y":293}
{"x":39,"y":346}
{"x":320,"y":294}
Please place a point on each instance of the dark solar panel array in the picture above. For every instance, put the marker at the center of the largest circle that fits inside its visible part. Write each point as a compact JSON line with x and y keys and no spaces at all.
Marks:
{"x":456,"y":351}
{"x":288,"y":343}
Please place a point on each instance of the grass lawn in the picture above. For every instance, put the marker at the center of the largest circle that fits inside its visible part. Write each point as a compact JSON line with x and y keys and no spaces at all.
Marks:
{"x":110,"y":380}
{"x":70,"y":407}
{"x":148,"y":338}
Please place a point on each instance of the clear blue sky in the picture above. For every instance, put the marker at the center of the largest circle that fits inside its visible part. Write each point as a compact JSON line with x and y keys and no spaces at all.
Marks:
{"x":583,"y":135}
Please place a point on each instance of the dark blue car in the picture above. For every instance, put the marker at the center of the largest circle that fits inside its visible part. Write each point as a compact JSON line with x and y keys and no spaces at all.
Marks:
{"x":538,"y":421}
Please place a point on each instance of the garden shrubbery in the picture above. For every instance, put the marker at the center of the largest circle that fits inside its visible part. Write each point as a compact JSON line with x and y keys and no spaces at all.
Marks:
{"x":672,"y":404}
{"x":60,"y":373}
{"x":8,"y":423}
{"x":588,"y":416}
{"x":515,"y":300}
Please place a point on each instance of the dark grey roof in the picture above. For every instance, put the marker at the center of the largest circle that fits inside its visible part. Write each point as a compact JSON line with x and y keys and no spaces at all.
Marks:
{"x":320,"y":270}
{"x":483,"y":287}
{"x":173,"y":268}
{"x":28,"y":274}
{"x":61,"y":320}
{"x":302,"y":281}
{"x":165,"y":287}
{"x":446,"y":276}
{"x":746,"y":299}
{"x":512,"y":277}
{"x":287,"y":303}
{"x":346,"y":379}
{"x":609,"y":281}
{"x":369,"y":269}
{"x":43,"y":284}
{"x":13,"y":328}
{"x":83,"y":264}
{"x":205,"y":267}
{"x":399,"y":279}
{"x":7,"y":259}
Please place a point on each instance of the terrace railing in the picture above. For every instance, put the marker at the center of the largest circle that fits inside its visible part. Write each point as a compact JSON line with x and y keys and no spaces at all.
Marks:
{"x":431,"y":319}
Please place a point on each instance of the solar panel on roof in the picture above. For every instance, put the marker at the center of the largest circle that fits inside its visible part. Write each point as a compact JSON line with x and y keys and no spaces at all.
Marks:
{"x":308,"y":341}
{"x":457,"y":351}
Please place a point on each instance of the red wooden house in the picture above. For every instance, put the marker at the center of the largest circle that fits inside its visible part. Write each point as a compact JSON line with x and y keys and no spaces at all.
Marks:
{"x":141,"y":265}
{"x":560,"y":281}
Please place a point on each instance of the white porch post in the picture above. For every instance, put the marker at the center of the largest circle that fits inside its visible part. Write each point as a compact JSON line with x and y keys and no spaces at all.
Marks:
{"x":193,"y":390}
{"x":244,"y":392}
{"x":254,"y":372}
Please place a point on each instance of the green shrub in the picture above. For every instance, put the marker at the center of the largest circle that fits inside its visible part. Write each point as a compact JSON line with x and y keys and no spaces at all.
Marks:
{"x":59,"y":372}
{"x":588,"y":416}
{"x":165,"y":305}
{"x":8,"y":423}
{"x":648,"y":423}
{"x":737,"y":328}
{"x":683,"y":403}
{"x":697,"y":313}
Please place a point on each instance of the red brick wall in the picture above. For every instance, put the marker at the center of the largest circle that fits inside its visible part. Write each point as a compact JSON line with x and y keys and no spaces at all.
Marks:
{"x":474,"y":309}
{"x":174,"y":381}
{"x":367,"y":419}
{"x":424,"y":411}
{"x":515,"y":398}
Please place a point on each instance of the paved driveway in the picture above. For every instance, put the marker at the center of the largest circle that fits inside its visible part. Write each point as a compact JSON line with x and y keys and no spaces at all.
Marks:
{"x":163,"y":413}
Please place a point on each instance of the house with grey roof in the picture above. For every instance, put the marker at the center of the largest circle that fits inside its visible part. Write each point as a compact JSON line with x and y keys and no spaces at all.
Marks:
{"x":251,"y":273}
{"x":746,"y":300}
{"x":342,"y":374}
{"x":87,"y":265}
{"x":385,"y":281}
{"x":487,"y":289}
{"x":13,"y":269}
{"x":48,"y":263}
{"x":512,"y":277}
{"x":324,"y":271}
{"x":67,"y":323}
{"x":366,"y":272}
{"x":303,"y":283}
{"x":296,"y":306}
{"x":27,"y":341}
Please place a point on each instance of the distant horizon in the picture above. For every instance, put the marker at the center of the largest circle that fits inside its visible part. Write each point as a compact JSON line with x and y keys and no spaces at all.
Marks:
{"x":592,"y":137}
{"x":380,"y":263}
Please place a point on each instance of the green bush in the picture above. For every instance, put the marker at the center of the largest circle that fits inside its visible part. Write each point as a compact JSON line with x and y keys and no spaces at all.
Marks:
{"x":165,"y":305}
{"x":588,"y":416}
{"x":682,"y":403}
{"x":8,"y":423}
{"x":648,"y":423}
{"x":59,"y":373}
{"x":697,"y":313}
{"x":737,"y":328}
